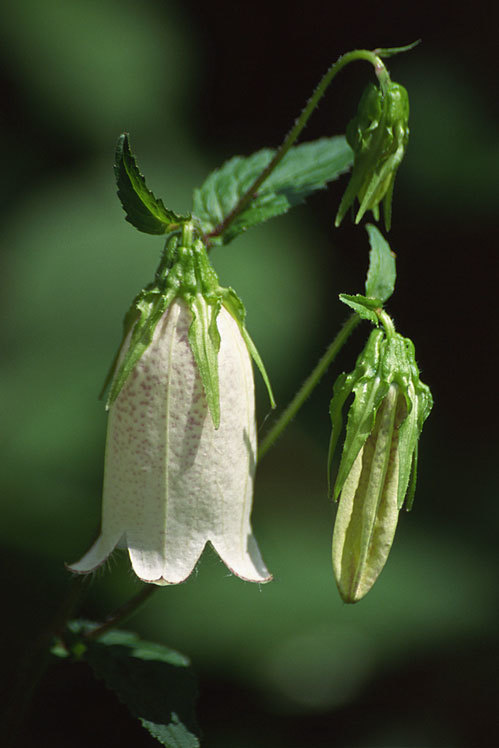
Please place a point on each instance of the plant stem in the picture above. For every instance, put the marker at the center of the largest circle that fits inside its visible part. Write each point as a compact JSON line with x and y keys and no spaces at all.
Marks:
{"x":123,"y":612}
{"x":34,"y":664}
{"x":37,"y":657}
{"x":309,"y":384}
{"x":387,"y":323}
{"x":341,"y":62}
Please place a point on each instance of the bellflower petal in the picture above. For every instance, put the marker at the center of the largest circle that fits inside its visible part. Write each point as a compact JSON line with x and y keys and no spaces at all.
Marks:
{"x":172,"y":481}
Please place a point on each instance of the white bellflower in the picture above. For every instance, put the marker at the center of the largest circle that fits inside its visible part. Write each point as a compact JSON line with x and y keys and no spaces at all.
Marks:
{"x":175,"y":477}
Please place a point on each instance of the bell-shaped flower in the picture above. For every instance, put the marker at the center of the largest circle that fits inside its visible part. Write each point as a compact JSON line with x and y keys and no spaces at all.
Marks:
{"x":181,"y":440}
{"x":377,"y":471}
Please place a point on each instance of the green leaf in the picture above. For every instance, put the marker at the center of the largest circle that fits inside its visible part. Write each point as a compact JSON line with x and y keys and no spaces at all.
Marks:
{"x":381,"y":276}
{"x":364,"y":306}
{"x":143,"y":210}
{"x":155,"y":683}
{"x":305,"y":169}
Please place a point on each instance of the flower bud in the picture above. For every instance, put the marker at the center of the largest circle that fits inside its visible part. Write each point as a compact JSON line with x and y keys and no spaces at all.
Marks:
{"x":378,"y":136}
{"x":377,"y":471}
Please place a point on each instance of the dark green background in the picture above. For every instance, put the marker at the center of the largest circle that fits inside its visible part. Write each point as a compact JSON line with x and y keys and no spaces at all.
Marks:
{"x":286,"y":665}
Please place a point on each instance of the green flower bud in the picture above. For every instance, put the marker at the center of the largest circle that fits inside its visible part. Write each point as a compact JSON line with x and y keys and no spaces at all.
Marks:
{"x":378,"y":136}
{"x":377,"y":471}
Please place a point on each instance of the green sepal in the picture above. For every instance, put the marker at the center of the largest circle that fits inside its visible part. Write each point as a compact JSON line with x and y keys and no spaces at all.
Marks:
{"x":143,"y":210}
{"x":419,"y":403}
{"x":202,"y":293}
{"x":368,"y":396}
{"x":130,"y":318}
{"x":364,"y":306}
{"x":204,"y":340}
{"x":368,"y":390}
{"x":145,"y":313}
{"x":378,"y":136}
{"x":384,"y":360}
{"x":381,"y":276}
{"x":398,"y":364}
{"x":185,"y":272}
{"x":342,"y":389}
{"x":204,"y":337}
{"x":391,"y":51}
{"x":411,"y":489}
{"x":173,"y":274}
{"x":235,"y":306}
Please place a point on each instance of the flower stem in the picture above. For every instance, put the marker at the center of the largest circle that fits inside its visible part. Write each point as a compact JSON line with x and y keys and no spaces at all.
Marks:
{"x":37,"y":657}
{"x":34,"y":663}
{"x":341,"y":62}
{"x":309,"y":384}
{"x":387,"y":323}
{"x":124,"y":612}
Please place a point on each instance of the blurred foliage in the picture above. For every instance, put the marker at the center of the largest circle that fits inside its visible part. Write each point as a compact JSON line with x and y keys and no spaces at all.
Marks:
{"x":91,"y":64}
{"x":454,"y":132}
{"x":413,"y":664}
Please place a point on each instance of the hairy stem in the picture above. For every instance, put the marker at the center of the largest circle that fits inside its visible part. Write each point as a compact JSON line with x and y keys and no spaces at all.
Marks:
{"x":289,"y":140}
{"x":309,"y":384}
{"x":124,"y":612}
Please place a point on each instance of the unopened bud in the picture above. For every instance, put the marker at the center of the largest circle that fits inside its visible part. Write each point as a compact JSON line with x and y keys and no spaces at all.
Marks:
{"x":377,"y":472}
{"x":378,"y":136}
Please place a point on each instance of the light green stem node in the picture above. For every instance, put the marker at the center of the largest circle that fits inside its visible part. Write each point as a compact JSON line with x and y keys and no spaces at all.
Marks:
{"x":387,"y":323}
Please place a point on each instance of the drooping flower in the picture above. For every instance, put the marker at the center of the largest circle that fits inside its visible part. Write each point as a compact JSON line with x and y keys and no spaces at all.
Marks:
{"x":377,"y":471}
{"x":378,"y":136}
{"x":181,"y":440}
